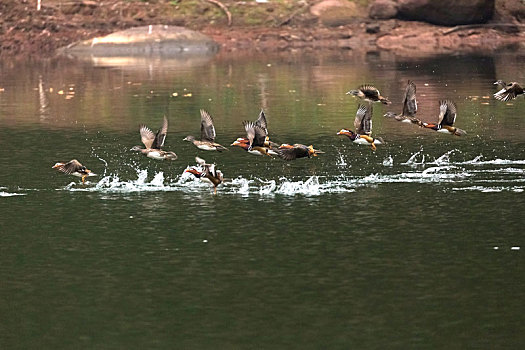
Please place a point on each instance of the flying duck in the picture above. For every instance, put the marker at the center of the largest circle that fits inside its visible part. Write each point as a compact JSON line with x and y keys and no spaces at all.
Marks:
{"x":509,"y":91}
{"x":73,"y":167}
{"x":363,"y":128}
{"x":154,"y":142}
{"x":206,"y":172}
{"x":291,"y":152}
{"x":369,"y":93}
{"x":255,"y":141}
{"x":409,"y":106}
{"x":446,"y":119}
{"x":207,"y":141}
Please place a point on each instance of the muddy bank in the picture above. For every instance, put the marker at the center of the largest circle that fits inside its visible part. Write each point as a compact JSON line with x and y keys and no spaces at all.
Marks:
{"x":266,"y":27}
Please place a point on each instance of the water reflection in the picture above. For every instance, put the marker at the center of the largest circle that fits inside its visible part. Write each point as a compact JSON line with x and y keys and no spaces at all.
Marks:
{"x":338,"y":248}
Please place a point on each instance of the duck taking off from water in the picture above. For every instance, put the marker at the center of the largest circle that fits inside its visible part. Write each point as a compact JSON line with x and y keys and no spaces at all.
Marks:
{"x":154,"y":143}
{"x":206,"y":172}
{"x":509,"y":91}
{"x":255,"y":141}
{"x":297,"y":150}
{"x":207,"y":141}
{"x":446,"y":119}
{"x":369,"y":93}
{"x":363,"y":128}
{"x":75,"y":168}
{"x":409,"y":106}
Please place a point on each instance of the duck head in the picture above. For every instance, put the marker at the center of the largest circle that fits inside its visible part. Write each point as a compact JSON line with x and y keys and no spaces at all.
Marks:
{"x":313,"y":152}
{"x":189,"y":138}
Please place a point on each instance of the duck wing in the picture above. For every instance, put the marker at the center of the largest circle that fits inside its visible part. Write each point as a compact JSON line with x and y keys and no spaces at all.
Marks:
{"x":207,"y":128}
{"x":363,"y":120}
{"x":161,"y":134}
{"x":255,"y":134}
{"x":370,"y":92}
{"x":447,"y":113}
{"x":409,"y":102}
{"x":261,"y":121}
{"x":72,"y":166}
{"x":147,"y":136}
{"x":509,"y":92}
{"x":291,"y":153}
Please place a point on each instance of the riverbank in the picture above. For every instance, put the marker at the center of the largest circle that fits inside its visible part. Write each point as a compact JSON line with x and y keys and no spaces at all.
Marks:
{"x":266,"y":27}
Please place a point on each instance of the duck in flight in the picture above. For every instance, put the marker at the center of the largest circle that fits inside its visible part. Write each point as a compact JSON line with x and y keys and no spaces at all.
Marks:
{"x":509,"y":91}
{"x":446,"y":119}
{"x":75,"y":168}
{"x":206,"y":172}
{"x":208,"y":134}
{"x":154,"y":142}
{"x":363,"y":128}
{"x":408,"y":115}
{"x":297,"y":150}
{"x":369,"y":93}
{"x":255,"y":141}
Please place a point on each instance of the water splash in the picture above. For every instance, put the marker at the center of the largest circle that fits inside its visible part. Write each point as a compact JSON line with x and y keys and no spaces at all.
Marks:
{"x":388,"y":161}
{"x":10,"y":194}
{"x":413,"y":160}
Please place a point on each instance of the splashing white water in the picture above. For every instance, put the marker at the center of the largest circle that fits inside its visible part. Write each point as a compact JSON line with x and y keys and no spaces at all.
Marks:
{"x":388,"y":161}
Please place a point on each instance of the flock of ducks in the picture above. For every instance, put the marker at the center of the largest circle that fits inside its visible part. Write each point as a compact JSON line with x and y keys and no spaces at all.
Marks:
{"x":257,"y":140}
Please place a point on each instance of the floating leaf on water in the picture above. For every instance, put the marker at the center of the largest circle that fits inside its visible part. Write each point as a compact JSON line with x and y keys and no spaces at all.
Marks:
{"x":189,"y":94}
{"x":60,"y":92}
{"x":514,"y":248}
{"x":485,"y":97}
{"x":175,"y":94}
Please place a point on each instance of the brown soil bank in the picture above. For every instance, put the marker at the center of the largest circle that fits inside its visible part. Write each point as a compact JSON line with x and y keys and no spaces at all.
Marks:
{"x":271,"y":25}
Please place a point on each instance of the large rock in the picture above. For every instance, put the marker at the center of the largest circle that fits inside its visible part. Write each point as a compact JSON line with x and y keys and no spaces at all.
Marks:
{"x":383,"y":9}
{"x":161,"y":40}
{"x":335,"y":13}
{"x":443,"y":12}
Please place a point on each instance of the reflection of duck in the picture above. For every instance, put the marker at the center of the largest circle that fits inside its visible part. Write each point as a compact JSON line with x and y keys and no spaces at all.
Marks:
{"x":409,"y":106}
{"x":369,"y":93}
{"x":509,"y":91}
{"x":73,"y":167}
{"x":291,"y":152}
{"x":363,"y":128}
{"x":208,"y":172}
{"x":446,"y":119}
{"x":154,"y":143}
{"x":207,"y":141}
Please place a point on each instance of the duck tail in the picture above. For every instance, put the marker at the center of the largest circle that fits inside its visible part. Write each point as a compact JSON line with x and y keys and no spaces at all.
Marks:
{"x":384,"y":100}
{"x":353,"y":92}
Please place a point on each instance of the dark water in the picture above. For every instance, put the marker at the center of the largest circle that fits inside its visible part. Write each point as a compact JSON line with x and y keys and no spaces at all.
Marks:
{"x":415,"y":245}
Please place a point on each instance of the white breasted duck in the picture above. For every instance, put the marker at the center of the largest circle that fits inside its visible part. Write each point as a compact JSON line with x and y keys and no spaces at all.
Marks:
{"x":363,"y":128}
{"x":446,"y":119}
{"x":207,"y":141}
{"x":409,"y":106}
{"x":154,"y":143}
{"x":75,"y":168}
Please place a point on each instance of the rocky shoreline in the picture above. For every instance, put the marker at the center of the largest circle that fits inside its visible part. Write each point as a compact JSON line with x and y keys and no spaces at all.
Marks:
{"x":28,"y":32}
